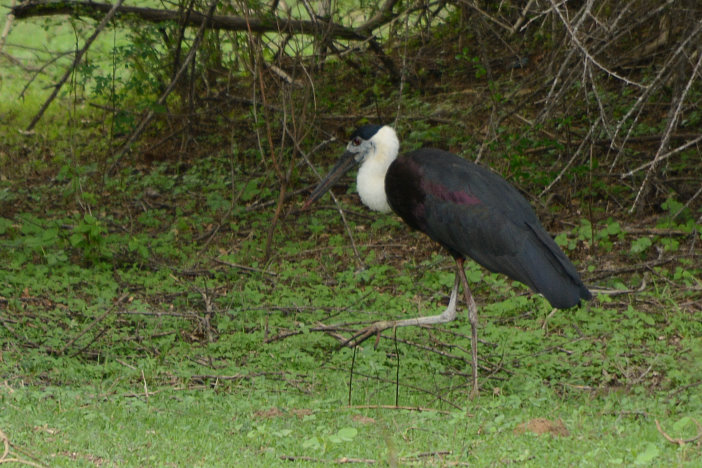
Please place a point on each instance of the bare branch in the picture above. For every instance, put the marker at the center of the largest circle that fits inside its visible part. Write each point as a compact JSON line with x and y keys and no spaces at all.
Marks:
{"x":583,"y":49}
{"x":147,"y":118}
{"x":672,"y":124}
{"x":195,"y":19}
{"x":110,"y":14}
{"x":383,"y":16}
{"x":663,"y":156}
{"x":475,"y":7}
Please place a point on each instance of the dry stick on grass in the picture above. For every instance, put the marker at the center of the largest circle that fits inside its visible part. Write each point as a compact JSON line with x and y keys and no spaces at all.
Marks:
{"x":150,"y":114}
{"x":419,"y":409}
{"x":6,"y":445}
{"x":338,"y":461}
{"x":630,"y":269}
{"x":146,"y":389}
{"x":681,"y":442}
{"x":93,"y":323}
{"x":244,"y":267}
{"x":368,"y":461}
{"x":110,"y":14}
{"x":6,"y":452}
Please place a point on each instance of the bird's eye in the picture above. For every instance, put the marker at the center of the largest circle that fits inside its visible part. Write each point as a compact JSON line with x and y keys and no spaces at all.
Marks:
{"x":356,"y":141}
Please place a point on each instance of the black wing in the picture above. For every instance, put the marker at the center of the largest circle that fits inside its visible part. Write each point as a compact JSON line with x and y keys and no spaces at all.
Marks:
{"x":475,"y":213}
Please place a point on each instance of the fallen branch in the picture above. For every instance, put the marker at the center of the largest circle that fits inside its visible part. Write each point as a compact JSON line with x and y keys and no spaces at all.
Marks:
{"x":195,"y":19}
{"x":92,"y":324}
{"x":6,"y":452}
{"x":681,"y":442}
{"x":419,"y":409}
{"x":338,"y":461}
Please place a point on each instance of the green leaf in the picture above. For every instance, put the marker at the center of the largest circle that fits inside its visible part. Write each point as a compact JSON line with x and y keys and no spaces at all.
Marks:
{"x":679,"y":426}
{"x":312,"y":443}
{"x":5,"y":224}
{"x":76,"y":239}
{"x":650,"y":452}
{"x":640,"y":245}
{"x":345,"y":434}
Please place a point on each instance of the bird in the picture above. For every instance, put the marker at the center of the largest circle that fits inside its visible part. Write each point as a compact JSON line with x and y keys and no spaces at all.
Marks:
{"x":466,"y":208}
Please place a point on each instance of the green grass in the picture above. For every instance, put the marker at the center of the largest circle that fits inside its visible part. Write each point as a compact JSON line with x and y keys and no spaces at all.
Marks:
{"x":141,"y":323}
{"x":112,"y":356}
{"x":261,"y":422}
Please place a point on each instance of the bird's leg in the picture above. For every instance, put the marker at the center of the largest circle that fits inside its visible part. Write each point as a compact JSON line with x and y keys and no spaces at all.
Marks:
{"x":473,"y":317}
{"x":446,"y":316}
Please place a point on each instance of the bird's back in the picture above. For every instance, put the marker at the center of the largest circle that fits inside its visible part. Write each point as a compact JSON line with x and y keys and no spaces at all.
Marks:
{"x":475,"y":213}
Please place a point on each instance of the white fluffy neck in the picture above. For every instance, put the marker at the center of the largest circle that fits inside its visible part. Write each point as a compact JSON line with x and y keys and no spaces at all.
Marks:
{"x":371,"y":175}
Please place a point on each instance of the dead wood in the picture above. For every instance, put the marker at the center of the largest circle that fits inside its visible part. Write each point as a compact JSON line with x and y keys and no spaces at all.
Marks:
{"x":193,"y":19}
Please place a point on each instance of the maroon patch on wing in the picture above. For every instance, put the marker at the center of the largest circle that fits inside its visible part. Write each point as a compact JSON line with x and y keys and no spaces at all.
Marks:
{"x":455,"y":196}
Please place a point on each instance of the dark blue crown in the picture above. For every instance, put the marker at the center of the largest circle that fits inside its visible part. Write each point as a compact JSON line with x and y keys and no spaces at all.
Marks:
{"x":366,"y":132}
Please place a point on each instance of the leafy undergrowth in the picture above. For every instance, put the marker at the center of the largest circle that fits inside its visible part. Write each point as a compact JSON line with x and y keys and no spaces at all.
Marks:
{"x":152,"y":331}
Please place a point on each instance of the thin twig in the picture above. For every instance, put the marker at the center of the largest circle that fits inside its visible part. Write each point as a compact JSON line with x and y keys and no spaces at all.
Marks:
{"x":76,"y":61}
{"x":146,"y":389}
{"x":570,"y":161}
{"x":574,"y":37}
{"x":6,"y":451}
{"x":338,"y":461}
{"x":8,"y":24}
{"x":244,"y":267}
{"x":679,"y":441}
{"x":419,"y":409}
{"x":171,"y":86}
{"x":93,"y":323}
{"x":662,"y":157}
{"x":672,"y":124}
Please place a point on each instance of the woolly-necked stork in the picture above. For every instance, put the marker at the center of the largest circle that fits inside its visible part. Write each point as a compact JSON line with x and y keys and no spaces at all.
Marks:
{"x":466,"y":208}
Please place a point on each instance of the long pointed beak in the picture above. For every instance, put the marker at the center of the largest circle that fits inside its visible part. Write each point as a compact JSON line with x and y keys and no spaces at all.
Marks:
{"x":346,"y":162}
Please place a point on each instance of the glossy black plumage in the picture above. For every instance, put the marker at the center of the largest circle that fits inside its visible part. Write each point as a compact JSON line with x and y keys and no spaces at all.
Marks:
{"x":475,"y":213}
{"x":469,"y":210}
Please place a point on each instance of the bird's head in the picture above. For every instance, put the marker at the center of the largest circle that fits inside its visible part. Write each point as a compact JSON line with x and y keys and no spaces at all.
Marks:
{"x":377,"y":143}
